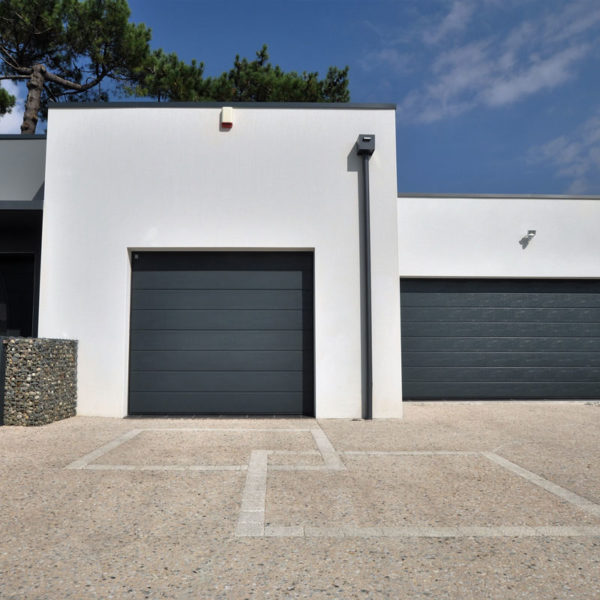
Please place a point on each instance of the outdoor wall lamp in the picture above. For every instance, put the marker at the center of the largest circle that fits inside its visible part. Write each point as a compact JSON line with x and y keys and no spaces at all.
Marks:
{"x":524,"y":241}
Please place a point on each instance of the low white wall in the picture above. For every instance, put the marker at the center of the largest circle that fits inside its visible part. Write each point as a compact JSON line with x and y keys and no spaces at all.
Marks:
{"x":119,"y":179}
{"x":479,"y":237}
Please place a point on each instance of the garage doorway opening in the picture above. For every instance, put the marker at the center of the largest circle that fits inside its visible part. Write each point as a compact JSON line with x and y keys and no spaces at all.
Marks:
{"x":500,"y":339}
{"x":222,"y":333}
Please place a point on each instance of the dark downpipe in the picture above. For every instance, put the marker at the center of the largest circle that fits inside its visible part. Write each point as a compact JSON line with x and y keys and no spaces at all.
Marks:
{"x":365,"y":146}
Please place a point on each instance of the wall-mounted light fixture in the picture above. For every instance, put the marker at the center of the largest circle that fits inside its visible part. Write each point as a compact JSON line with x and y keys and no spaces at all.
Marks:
{"x":524,"y":241}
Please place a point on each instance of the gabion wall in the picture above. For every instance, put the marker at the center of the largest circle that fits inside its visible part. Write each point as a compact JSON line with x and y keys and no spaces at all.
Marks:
{"x":38,"y":380}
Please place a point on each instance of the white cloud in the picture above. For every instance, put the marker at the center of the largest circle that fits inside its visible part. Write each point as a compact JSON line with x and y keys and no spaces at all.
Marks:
{"x":11,"y":123}
{"x":540,"y":75}
{"x":459,"y":71}
{"x":575,"y":156}
{"x":455,"y":21}
{"x":577,"y":18}
{"x":501,"y":67}
{"x":390,"y":58}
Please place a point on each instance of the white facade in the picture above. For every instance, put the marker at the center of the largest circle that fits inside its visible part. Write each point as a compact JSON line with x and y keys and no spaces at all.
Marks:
{"x":479,"y":237}
{"x":168,"y":178}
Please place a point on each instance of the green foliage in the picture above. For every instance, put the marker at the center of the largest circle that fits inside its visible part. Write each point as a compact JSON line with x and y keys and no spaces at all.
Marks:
{"x":32,"y":31}
{"x":100,"y":33}
{"x":260,"y":81}
{"x":6,"y":102}
{"x":165,"y":77}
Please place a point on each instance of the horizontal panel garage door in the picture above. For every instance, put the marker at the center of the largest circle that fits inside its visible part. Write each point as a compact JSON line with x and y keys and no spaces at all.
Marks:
{"x":222,"y":333}
{"x":500,"y":339}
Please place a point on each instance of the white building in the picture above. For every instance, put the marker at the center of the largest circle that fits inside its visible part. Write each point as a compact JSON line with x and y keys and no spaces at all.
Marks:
{"x":207,"y":270}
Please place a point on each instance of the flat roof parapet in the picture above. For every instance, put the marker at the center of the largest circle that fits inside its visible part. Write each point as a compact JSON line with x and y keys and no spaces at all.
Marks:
{"x":260,"y":105}
{"x":503,"y":196}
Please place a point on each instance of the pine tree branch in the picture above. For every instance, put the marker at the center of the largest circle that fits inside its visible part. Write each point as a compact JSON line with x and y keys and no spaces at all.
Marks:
{"x":79,"y":87}
{"x":49,"y":92}
{"x":11,"y":63}
{"x":14,"y":77}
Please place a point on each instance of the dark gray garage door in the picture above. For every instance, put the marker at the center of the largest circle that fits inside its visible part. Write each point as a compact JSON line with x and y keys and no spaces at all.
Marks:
{"x":222,"y":333}
{"x":500,"y":339}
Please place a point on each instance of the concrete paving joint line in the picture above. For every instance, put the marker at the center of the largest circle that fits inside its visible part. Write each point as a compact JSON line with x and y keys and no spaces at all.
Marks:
{"x":100,"y":467}
{"x":574,"y":499}
{"x":251,"y":520}
{"x":409,"y":453}
{"x":431,"y":532}
{"x":330,"y":457}
{"x":84,"y":461}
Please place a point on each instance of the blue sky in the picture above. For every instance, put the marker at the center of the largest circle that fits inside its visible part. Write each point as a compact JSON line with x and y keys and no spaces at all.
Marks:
{"x":493,"y":96}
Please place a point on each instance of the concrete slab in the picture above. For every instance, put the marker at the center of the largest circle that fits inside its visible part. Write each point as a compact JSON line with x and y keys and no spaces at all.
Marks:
{"x":434,"y":519}
{"x":425,"y":491}
{"x":202,"y":447}
{"x":310,"y":458}
{"x":571,"y":461}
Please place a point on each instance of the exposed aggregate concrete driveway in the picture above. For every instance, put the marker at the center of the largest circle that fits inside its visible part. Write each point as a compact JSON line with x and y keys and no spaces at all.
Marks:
{"x":457,"y":500}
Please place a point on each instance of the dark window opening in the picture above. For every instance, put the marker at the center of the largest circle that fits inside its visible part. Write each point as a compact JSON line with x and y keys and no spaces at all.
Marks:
{"x":16,"y":294}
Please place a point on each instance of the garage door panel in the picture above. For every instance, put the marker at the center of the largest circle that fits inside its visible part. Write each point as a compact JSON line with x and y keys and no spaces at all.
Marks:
{"x":218,"y":280}
{"x":222,"y":333}
{"x":508,"y":344}
{"x":222,"y":299}
{"x":488,"y":373}
{"x":218,"y":403}
{"x":209,"y":360}
{"x":503,"y":300}
{"x":500,"y":338}
{"x":221,"y":340}
{"x":208,"y":381}
{"x":501,"y":286}
{"x":502,"y":391}
{"x":219,"y":319}
{"x":501,"y":359}
{"x":503,"y":314}
{"x":244,"y":261}
{"x":450,"y":329}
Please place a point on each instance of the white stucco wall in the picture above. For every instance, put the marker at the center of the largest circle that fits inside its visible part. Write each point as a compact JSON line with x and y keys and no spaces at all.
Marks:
{"x":122,"y":179}
{"x":479,"y":237}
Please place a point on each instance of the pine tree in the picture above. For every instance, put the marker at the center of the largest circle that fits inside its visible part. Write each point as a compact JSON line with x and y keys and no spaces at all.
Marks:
{"x":67,"y":48}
